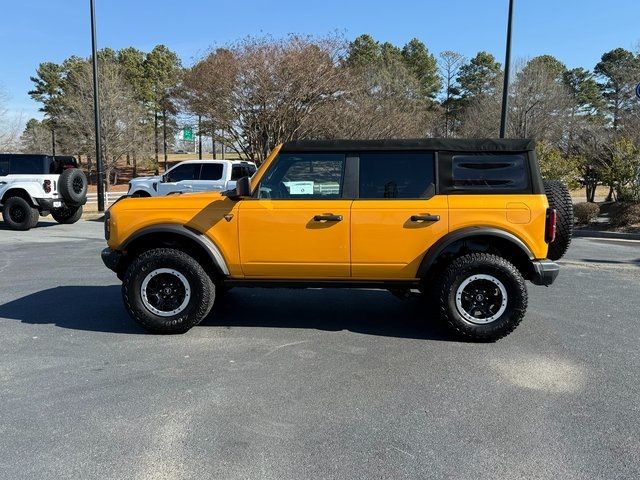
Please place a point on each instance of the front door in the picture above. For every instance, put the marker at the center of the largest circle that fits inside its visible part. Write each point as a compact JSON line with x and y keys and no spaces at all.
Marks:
{"x":397,"y":215}
{"x":298,"y":226}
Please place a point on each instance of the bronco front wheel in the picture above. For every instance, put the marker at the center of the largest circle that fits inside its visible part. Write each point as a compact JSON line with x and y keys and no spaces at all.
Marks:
{"x":167,"y":291}
{"x":481,"y":296}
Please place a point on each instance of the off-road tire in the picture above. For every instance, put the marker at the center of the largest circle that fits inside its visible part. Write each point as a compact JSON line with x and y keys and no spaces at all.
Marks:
{"x":201,"y":298}
{"x":73,"y":186}
{"x":140,"y":194}
{"x":466,"y":266}
{"x":560,"y":199}
{"x":67,"y":215}
{"x":19,"y":214}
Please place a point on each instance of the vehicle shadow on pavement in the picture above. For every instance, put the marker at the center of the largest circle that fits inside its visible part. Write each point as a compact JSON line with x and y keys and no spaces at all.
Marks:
{"x":3,"y":226}
{"x":91,"y":308}
{"x":370,"y":312}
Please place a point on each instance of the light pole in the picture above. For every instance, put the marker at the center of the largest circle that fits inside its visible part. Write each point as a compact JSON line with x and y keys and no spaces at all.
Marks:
{"x":507,"y":65}
{"x":96,"y":109}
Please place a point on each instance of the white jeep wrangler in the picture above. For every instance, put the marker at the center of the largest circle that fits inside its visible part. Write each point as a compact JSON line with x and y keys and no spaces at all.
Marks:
{"x":34,"y":185}
{"x":193,"y":176}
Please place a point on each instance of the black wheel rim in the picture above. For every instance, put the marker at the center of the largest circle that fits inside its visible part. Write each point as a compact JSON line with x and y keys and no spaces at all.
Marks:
{"x":165,"y":292}
{"x":17,"y":213}
{"x":77,"y":185}
{"x":481,"y":299}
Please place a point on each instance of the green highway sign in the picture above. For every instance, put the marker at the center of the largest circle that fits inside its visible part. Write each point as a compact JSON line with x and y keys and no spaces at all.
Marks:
{"x":187,"y":133}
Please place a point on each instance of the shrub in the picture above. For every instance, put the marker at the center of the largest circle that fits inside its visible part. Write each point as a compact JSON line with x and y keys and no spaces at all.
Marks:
{"x":627,"y":215}
{"x":585,"y":212}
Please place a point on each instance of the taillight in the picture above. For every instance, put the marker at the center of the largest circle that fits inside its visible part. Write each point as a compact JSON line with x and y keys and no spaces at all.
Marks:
{"x":550,"y":228}
{"x":46,"y":185}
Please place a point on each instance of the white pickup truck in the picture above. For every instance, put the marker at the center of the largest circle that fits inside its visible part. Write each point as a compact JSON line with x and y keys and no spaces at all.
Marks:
{"x":193,"y":176}
{"x":35,"y":185}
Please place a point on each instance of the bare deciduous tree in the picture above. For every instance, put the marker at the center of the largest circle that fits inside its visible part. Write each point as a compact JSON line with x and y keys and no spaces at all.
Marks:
{"x":121,"y":115}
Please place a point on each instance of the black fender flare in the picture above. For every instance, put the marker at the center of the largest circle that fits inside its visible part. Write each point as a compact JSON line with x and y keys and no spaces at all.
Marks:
{"x":437,"y":248}
{"x":201,"y":239}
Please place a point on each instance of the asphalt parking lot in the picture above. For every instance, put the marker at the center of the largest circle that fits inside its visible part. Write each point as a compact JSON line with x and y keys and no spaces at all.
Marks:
{"x":297,"y":384}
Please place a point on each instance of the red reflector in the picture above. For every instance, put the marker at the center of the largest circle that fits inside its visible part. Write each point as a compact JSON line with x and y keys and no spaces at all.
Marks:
{"x":46,"y":185}
{"x":550,"y":230}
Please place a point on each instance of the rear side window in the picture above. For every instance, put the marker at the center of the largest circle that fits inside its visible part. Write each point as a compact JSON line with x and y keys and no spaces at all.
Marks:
{"x":211,"y":171}
{"x":25,"y":164}
{"x":4,"y":167}
{"x":490,"y":172}
{"x":396,"y":175}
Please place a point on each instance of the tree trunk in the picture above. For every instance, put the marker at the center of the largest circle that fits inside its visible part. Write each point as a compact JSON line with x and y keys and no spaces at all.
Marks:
{"x":135,"y":166}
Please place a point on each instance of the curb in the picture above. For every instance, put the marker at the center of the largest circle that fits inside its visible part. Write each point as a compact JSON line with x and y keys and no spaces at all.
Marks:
{"x":605,"y":234}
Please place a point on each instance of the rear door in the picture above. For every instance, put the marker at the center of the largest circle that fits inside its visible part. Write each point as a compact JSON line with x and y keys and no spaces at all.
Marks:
{"x":397,"y":215}
{"x":212,"y":176}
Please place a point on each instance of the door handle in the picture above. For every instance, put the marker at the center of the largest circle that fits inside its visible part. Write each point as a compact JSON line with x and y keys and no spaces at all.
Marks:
{"x":425,"y":218}
{"x":329,"y":217}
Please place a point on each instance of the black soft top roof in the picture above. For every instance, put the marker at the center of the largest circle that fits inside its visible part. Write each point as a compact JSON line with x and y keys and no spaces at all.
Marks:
{"x":442,"y":144}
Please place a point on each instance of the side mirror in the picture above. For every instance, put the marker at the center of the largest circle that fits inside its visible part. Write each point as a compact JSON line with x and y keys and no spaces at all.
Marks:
{"x":163,"y":179}
{"x":242,"y":190}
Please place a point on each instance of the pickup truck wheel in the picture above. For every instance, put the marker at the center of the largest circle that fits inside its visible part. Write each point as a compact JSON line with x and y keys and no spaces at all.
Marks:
{"x":481,"y":297}
{"x":167,"y":291}
{"x":18,"y":214}
{"x":140,"y":194}
{"x":67,"y":215}
{"x":72,"y":185}
{"x":559,"y":199}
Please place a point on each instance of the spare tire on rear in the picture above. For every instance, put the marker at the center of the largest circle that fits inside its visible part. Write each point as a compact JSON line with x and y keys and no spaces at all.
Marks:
{"x":72,"y":185}
{"x":560,"y":199}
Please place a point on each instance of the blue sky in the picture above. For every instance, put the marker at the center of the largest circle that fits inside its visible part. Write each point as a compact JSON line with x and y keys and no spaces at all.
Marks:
{"x":575,"y":31}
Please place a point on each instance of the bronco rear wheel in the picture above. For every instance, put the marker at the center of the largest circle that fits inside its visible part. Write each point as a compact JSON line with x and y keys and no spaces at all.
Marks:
{"x":167,"y":291}
{"x":481,"y":296}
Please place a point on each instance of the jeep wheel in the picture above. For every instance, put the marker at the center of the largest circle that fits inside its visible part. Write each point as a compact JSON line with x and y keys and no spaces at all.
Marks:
{"x":167,"y":291}
{"x":18,"y":214}
{"x":481,"y":296}
{"x":67,"y":214}
{"x":560,"y":199}
{"x":72,"y":185}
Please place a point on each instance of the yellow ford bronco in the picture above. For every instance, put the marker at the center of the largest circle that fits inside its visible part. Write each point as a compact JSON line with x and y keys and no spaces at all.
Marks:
{"x":464,"y":222}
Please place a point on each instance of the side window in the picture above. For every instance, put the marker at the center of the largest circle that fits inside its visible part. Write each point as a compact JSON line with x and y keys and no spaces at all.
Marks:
{"x":304,"y":176}
{"x":187,"y":171}
{"x":397,"y":175}
{"x":489,"y":172}
{"x":25,"y":164}
{"x":211,"y":171}
{"x":4,"y":167}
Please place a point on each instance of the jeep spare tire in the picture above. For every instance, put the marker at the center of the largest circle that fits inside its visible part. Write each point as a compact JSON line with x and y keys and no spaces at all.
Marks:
{"x":72,"y":185}
{"x":560,"y":199}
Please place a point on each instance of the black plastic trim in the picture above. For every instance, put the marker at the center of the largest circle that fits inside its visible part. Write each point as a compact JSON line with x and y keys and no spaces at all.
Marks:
{"x":545,"y":272}
{"x":437,"y":248}
{"x":312,"y":283}
{"x":199,"y":238}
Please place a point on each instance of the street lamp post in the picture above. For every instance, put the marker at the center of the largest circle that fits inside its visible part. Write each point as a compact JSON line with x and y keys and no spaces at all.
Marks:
{"x":96,"y":109}
{"x":507,"y":65}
